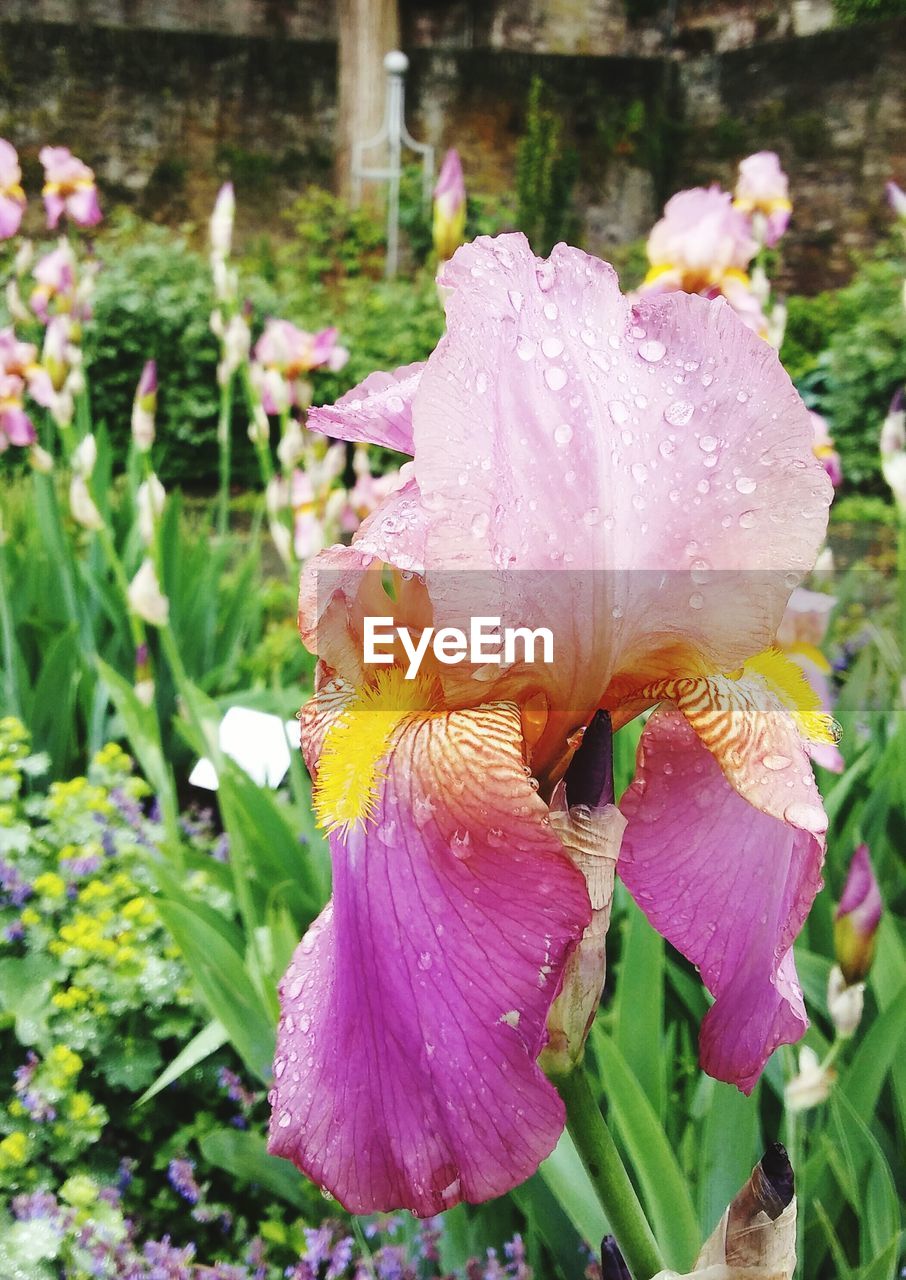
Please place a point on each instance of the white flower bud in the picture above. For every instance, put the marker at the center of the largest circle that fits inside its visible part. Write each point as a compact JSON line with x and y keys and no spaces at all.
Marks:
{"x":149,"y":501}
{"x":811,"y":1086}
{"x":844,"y":1003}
{"x":146,"y":599}
{"x":84,"y":456}
{"x":40,"y":459}
{"x":291,"y":448}
{"x":81,"y":504}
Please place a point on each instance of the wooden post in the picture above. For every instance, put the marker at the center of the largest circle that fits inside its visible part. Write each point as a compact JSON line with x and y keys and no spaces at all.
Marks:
{"x":367,"y":30}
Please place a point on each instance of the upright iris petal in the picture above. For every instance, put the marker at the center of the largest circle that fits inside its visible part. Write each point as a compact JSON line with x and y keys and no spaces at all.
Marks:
{"x":12,"y":197}
{"x":69,"y":188}
{"x":641,"y":479}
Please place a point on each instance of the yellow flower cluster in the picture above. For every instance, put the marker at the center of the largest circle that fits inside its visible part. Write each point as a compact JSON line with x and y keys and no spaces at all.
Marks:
{"x":50,"y":885}
{"x":13,"y":1150}
{"x":87,"y":797}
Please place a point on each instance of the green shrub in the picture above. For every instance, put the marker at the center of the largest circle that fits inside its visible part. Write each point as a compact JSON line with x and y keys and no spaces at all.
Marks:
{"x":854,"y":379}
{"x":850,"y":12}
{"x":546,"y":172}
{"x":810,"y":325}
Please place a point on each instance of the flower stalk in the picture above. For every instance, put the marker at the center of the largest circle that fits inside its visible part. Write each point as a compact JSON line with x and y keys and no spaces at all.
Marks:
{"x":604,"y":1166}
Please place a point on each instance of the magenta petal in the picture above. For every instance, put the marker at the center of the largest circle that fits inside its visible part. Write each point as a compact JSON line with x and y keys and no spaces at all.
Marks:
{"x":53,"y":207}
{"x":415,"y":1007}
{"x":82,"y":206}
{"x":16,"y":425}
{"x":11,"y":211}
{"x":377,"y":411}
{"x":728,"y":886}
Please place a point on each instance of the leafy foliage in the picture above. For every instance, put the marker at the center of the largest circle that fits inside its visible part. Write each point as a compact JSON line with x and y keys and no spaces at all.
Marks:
{"x":546,"y":171}
{"x":850,"y":12}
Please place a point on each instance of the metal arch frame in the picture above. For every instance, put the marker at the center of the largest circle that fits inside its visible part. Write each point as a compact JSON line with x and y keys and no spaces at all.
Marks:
{"x":392,"y":136}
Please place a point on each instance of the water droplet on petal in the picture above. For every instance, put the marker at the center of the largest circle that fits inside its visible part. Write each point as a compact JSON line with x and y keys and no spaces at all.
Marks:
{"x":551,"y":347}
{"x":424,"y":961}
{"x":526,"y":348}
{"x":555,"y":377}
{"x":810,"y":817}
{"x":745,"y":484}
{"x":652,"y":351}
{"x":563,"y":433}
{"x":480,"y":523}
{"x":678,"y":412}
{"x":618,"y":411}
{"x":708,"y":444}
{"x":776,"y":762}
{"x":747,"y":520}
{"x":696,"y":600}
{"x":639,"y":472}
{"x":515,"y":298}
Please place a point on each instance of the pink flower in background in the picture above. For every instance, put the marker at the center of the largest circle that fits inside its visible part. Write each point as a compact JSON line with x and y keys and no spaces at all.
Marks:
{"x":368,"y":492}
{"x":897,"y":199}
{"x":703,"y":245}
{"x":284,"y":355}
{"x":762,"y":192}
{"x":12,"y":197}
{"x":824,"y":450}
{"x":449,"y":225}
{"x":641,"y":479}
{"x":15,"y":425}
{"x":16,"y":357}
{"x":857,"y":918}
{"x":55,"y":274}
{"x":69,"y":188}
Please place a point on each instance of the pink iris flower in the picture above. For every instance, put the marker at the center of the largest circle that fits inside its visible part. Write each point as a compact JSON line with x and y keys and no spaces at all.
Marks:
{"x":762,"y":192}
{"x":703,"y":245}
{"x":15,"y":425}
{"x":12,"y":197}
{"x":641,"y":476}
{"x":55,"y":274}
{"x":823,"y":446}
{"x":449,"y":223}
{"x":69,"y":188}
{"x":284,"y":355}
{"x":897,"y":199}
{"x":857,"y":918}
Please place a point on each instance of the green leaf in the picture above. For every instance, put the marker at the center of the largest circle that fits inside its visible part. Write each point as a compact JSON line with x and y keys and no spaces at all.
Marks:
{"x":638,"y":1008}
{"x":879,"y":1048}
{"x":661,"y":1181}
{"x":730,"y":1144}
{"x":244,"y":1156}
{"x":208,"y":1041}
{"x":571,"y":1186}
{"x":229,"y":992}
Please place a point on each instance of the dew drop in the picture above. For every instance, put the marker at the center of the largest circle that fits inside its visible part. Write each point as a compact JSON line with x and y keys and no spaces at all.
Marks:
{"x":666,"y":448}
{"x":776,"y":762}
{"x":555,"y":377}
{"x":747,"y":520}
{"x":550,"y":310}
{"x":745,"y":484}
{"x":588,"y":337}
{"x":618,"y":411}
{"x":285,"y":1120}
{"x":515,"y":298}
{"x":563,"y":433}
{"x":551,"y":346}
{"x":480,"y":523}
{"x":639,"y":472}
{"x":708,"y":444}
{"x":807,"y":816}
{"x":678,"y":412}
{"x":696,"y":600}
{"x":652,"y":351}
{"x":424,"y":961}
{"x":526,"y":348}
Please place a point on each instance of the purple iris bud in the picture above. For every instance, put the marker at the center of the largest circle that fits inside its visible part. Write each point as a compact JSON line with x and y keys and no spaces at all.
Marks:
{"x":589,"y":778}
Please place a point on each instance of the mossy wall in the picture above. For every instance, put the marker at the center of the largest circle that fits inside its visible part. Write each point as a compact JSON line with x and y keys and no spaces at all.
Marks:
{"x":165,"y":116}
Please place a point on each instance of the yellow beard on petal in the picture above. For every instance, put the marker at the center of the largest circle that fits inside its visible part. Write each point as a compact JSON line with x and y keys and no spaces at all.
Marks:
{"x":787,"y":681}
{"x":349,"y":773}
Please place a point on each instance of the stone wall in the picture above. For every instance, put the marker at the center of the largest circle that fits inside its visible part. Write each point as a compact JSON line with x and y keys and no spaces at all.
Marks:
{"x":164,"y":117}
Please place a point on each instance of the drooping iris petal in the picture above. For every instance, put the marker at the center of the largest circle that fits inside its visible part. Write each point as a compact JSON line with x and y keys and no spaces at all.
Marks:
{"x":415,"y":1007}
{"x":728,"y":885}
{"x":377,"y":411}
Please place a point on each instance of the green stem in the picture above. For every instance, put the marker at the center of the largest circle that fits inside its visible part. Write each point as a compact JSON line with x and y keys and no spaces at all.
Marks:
{"x":901,"y":593}
{"x":224,"y":440}
{"x":11,"y":695}
{"x":598,"y":1152}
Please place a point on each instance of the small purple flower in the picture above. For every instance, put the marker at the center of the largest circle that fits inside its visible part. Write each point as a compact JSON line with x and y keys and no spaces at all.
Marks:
{"x":181,"y":1174}
{"x":221,"y":849}
{"x":14,"y":932}
{"x":12,"y":885}
{"x":35,"y":1204}
{"x":167,"y":1262}
{"x":340,"y":1258}
{"x":86,"y":865}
